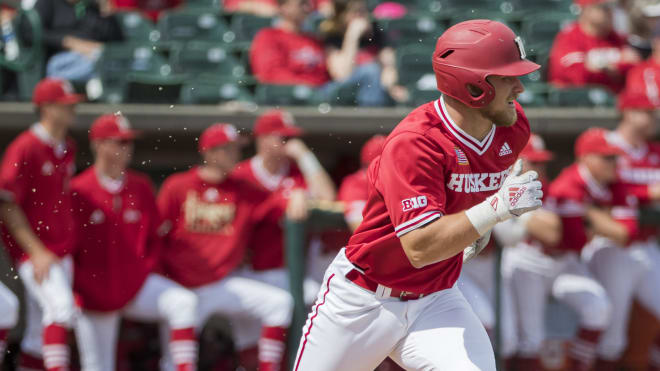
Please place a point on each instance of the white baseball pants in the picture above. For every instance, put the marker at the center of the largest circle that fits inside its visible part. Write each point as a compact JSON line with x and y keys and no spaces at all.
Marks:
{"x":350,"y":328}
{"x":8,"y":308}
{"x":160,"y":299}
{"x":625,"y":273}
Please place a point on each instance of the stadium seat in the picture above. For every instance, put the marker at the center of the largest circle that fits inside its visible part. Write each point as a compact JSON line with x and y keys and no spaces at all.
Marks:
{"x":122,"y":64}
{"x":282,"y":95}
{"x":193,"y":24}
{"x":411,"y":30}
{"x":413,"y":62}
{"x":539,"y":32}
{"x":447,"y":9}
{"x":581,"y":97}
{"x":137,"y":28}
{"x":508,"y":19}
{"x":207,"y":4}
{"x":196,"y":57}
{"x":209,"y":89}
{"x":535,"y":95}
{"x":246,"y":26}
{"x":420,"y":95}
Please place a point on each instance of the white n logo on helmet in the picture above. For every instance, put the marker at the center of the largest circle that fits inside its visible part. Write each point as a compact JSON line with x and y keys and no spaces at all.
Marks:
{"x":521,"y":47}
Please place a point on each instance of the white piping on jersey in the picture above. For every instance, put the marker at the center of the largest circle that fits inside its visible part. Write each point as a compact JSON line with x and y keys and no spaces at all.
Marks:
{"x":617,"y":140}
{"x":480,"y":147}
{"x":268,"y":180}
{"x":416,"y":222}
{"x":651,"y":87}
{"x":596,"y":189}
{"x":59,"y":147}
{"x":113,"y":186}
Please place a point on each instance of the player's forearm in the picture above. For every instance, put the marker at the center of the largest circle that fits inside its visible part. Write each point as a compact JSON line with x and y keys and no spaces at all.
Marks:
{"x":19,"y":227}
{"x":439,"y":240}
{"x":545,"y":226}
{"x":604,"y":225}
{"x":318,"y":181}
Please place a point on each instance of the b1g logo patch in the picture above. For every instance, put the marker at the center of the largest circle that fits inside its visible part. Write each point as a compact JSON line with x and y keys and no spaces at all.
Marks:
{"x":414,"y":203}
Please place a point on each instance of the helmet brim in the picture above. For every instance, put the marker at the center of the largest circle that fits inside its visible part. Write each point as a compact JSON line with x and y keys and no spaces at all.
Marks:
{"x":519,"y":68}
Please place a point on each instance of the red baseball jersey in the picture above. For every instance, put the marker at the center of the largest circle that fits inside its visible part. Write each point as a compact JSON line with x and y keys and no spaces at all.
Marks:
{"x":354,"y":192}
{"x":429,"y":167}
{"x":572,"y":49}
{"x":278,"y":56}
{"x":118,"y":240}
{"x":637,"y":169}
{"x":266,"y":247}
{"x":211,"y":225}
{"x":37,"y":172}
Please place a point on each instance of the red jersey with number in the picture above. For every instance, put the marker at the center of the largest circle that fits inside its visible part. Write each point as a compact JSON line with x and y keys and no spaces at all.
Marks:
{"x":118,"y":237}
{"x":354,"y":192}
{"x":637,"y":169}
{"x":211,"y":225}
{"x":36,"y":171}
{"x":429,"y":167}
{"x":573,"y":49}
{"x":266,"y":248}
{"x":278,"y":56}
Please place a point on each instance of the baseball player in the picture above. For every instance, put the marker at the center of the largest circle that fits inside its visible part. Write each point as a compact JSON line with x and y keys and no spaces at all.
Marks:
{"x":8,"y":301}
{"x":119,"y":242}
{"x":213,"y":214}
{"x":631,"y":268}
{"x":289,"y":171}
{"x":38,"y":225}
{"x":445,"y":177}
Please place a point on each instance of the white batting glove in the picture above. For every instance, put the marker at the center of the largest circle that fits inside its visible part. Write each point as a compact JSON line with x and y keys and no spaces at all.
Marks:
{"x":476,"y":247}
{"x":520,"y":193}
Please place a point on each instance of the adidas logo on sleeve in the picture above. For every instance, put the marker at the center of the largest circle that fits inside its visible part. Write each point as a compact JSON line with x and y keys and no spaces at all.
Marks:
{"x":505,"y":149}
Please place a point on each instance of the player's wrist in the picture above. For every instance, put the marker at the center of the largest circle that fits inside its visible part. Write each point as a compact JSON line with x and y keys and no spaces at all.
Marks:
{"x":486,"y":214}
{"x":308,"y":163}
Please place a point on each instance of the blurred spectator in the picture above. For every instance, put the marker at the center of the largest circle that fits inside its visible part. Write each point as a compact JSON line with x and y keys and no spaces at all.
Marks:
{"x":643,"y":15}
{"x":643,"y":81}
{"x":150,"y":8}
{"x":269,"y":8}
{"x":589,"y":51}
{"x":284,"y":55}
{"x":357,"y":53}
{"x":73,"y":33}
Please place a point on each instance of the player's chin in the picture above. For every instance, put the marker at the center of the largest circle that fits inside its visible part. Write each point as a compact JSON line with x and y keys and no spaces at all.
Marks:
{"x":506,"y":118}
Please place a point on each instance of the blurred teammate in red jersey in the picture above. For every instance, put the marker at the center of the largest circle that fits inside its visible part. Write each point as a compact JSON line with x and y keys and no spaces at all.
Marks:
{"x":119,"y":243}
{"x":213,"y":215}
{"x":38,"y":227}
{"x":590,"y":52}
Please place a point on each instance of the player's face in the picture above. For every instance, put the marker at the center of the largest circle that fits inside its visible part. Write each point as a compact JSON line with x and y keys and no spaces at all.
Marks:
{"x":602,"y":168}
{"x":60,"y":114}
{"x":538,"y":166}
{"x":271,"y":146}
{"x":295,"y":10}
{"x":116,"y":151}
{"x":223,"y":158}
{"x":642,"y":122}
{"x":501,"y":110}
{"x":600,"y":17}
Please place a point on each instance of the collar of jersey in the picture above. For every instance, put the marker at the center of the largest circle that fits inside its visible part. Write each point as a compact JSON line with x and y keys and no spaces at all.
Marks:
{"x":478,"y":146}
{"x":616,"y":139}
{"x":268,"y":180}
{"x":596,"y":189}
{"x":113,"y":186}
{"x":39,"y":131}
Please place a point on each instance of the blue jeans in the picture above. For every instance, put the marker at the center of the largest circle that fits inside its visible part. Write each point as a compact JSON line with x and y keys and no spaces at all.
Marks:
{"x":365,"y":79}
{"x":71,"y":66}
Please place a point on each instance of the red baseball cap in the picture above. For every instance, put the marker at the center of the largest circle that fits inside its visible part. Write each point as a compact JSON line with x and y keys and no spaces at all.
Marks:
{"x":594,"y":141}
{"x":56,"y":91}
{"x":585,"y":3}
{"x":372,"y":149}
{"x":535,"y":150}
{"x":276,"y":122}
{"x":639,"y":93}
{"x":112,"y":126}
{"x":217,"y":135}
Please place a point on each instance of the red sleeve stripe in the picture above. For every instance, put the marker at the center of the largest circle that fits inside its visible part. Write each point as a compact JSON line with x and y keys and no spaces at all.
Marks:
{"x":417,"y":222}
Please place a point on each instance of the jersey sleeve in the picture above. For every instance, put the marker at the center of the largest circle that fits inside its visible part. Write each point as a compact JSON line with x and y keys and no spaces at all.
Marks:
{"x":14,"y":179}
{"x":410,"y":178}
{"x":168,"y":206}
{"x":571,"y":211}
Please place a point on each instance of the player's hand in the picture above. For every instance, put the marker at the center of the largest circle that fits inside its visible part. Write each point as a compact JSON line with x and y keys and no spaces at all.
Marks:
{"x":476,"y":247}
{"x":520,"y":193}
{"x":296,"y":148}
{"x":41,"y":260}
{"x":358,"y":27}
{"x":297,"y":207}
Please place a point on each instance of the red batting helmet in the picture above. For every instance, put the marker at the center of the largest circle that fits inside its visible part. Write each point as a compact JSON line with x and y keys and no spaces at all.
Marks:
{"x":468,"y":52}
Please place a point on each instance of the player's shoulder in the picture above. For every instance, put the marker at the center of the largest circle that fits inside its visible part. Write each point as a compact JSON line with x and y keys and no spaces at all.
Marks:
{"x":181,"y":179}
{"x":138,"y":179}
{"x":245,"y":188}
{"x":420,"y":128}
{"x":243,"y":170}
{"x":26,"y":141}
{"x":83,"y":180}
{"x":654,"y":147}
{"x":568,"y":184}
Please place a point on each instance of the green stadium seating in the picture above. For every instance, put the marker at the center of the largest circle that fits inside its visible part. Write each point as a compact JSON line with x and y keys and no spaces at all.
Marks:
{"x":535,"y":95}
{"x":137,"y":28}
{"x":581,"y":97}
{"x":246,"y":26}
{"x":508,"y":19}
{"x":122,"y":64}
{"x":345,"y":95}
{"x":539,"y":32}
{"x":209,"y":89}
{"x":208,"y":4}
{"x":413,"y":62}
{"x":447,"y":9}
{"x":282,"y":95}
{"x":411,"y":30}
{"x":197,"y":57}
{"x":194,"y":24}
{"x":419,"y":95}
